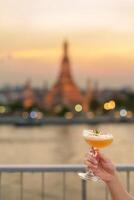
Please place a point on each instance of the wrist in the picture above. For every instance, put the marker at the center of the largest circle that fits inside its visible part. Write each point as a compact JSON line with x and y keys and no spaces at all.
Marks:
{"x":113,"y":179}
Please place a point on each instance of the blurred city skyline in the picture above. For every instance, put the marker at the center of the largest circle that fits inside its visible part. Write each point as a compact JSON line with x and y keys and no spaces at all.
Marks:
{"x":100,"y":34}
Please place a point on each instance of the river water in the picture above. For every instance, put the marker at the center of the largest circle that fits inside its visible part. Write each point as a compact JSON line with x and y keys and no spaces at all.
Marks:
{"x":58,"y":145}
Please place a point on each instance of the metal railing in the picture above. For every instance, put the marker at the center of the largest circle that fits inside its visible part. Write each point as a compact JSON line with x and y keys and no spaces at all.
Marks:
{"x":64,"y":169}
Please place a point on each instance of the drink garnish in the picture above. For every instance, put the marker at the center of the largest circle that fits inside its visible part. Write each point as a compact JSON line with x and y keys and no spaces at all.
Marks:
{"x":97,"y":132}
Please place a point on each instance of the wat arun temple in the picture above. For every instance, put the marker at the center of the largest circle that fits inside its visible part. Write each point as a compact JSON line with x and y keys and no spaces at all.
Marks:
{"x":64,"y":92}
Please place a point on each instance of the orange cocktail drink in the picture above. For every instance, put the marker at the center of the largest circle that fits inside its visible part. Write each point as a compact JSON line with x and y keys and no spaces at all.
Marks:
{"x":96,"y":140}
{"x":99,"y":141}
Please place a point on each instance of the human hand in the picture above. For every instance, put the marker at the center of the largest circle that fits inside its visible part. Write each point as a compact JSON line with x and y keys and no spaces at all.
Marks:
{"x":101,"y":166}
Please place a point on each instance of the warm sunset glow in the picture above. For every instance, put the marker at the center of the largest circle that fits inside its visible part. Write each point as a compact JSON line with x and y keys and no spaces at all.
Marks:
{"x":35,"y":54}
{"x":100,"y":34}
{"x":83,"y":54}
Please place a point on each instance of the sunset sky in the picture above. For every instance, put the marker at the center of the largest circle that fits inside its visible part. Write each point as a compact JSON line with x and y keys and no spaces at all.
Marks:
{"x":100,"y":34}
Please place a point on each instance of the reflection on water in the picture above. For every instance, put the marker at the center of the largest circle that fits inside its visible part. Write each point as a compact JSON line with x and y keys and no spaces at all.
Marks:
{"x":61,"y":144}
{"x":54,"y":145}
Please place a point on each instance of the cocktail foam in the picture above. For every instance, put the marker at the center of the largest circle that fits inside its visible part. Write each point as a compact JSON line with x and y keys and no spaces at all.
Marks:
{"x":90,"y":135}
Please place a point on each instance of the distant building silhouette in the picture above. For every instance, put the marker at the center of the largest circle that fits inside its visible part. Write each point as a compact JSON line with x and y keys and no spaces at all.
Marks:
{"x":87,"y":98}
{"x":28,"y":97}
{"x":65,"y":91}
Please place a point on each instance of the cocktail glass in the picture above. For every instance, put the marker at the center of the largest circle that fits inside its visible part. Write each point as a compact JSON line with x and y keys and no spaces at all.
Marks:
{"x":96,"y":140}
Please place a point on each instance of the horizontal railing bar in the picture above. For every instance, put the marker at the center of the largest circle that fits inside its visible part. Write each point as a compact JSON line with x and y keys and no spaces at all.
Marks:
{"x":41,"y":168}
{"x":55,"y":168}
{"x":125,"y":168}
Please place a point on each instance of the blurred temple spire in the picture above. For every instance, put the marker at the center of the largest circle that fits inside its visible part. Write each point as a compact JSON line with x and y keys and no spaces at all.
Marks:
{"x":65,"y":73}
{"x":65,"y":49}
{"x":64,"y":91}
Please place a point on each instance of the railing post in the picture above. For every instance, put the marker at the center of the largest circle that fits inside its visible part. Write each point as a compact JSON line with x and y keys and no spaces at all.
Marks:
{"x":106,"y":193}
{"x":128,"y":181}
{"x":83,"y":192}
{"x":64,"y":186}
{"x":43,"y":185}
{"x":0,"y":184}
{"x":21,"y":186}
